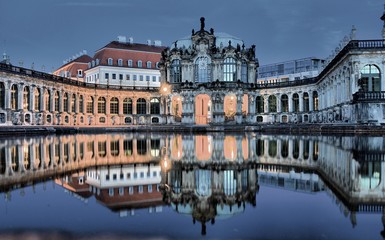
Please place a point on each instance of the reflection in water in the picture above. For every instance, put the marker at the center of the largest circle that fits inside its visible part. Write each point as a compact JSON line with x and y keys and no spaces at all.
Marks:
{"x":208,"y":177}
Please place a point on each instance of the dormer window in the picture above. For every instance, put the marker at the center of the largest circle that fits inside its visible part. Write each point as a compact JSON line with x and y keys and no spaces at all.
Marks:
{"x":129,"y":63}
{"x":120,"y":62}
{"x":93,"y":63}
{"x":80,"y":73}
{"x":97,"y":61}
{"x":140,"y":63}
{"x":157,"y":65}
{"x":110,"y":61}
{"x":149,"y":64}
{"x":89,"y":65}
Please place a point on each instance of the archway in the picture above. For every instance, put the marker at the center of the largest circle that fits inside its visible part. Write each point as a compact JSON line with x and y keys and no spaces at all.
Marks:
{"x":230,"y":106}
{"x":202,"y":109}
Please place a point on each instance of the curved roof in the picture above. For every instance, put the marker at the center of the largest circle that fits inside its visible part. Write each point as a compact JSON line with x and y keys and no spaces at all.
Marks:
{"x":222,"y":39}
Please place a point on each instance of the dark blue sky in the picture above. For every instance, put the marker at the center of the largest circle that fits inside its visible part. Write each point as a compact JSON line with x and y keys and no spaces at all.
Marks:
{"x":45,"y":32}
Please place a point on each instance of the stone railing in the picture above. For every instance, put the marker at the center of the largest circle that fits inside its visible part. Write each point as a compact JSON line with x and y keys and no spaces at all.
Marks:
{"x":369,"y":96}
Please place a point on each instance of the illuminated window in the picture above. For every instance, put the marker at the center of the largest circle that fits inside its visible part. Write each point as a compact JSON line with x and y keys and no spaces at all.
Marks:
{"x":315,"y":101}
{"x":37,"y":99}
{"x":154,"y":106}
{"x":305,"y":102}
{"x":229,"y":70}
{"x":81,"y":104}
{"x":90,"y":104}
{"x":14,"y":97}
{"x":26,"y":98}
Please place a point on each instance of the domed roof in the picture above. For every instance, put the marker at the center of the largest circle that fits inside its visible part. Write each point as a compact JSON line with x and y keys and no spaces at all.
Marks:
{"x":222,"y":39}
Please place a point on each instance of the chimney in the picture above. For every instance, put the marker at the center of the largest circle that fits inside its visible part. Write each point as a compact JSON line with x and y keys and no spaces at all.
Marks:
{"x":149,"y":42}
{"x":122,"y":39}
{"x":131,"y":40}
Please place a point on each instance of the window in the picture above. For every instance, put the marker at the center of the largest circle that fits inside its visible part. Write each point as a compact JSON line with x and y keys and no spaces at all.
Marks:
{"x":47,"y":99}
{"x":2,"y":95}
{"x":147,"y":78}
{"x":139,"y":64}
{"x":14,"y":97}
{"x":202,"y":70}
{"x":370,"y":79}
{"x":37,"y":99}
{"x":106,"y":76}
{"x":129,"y":63}
{"x":102,"y":105}
{"x":26,"y":98}
{"x":127,"y":77}
{"x":80,"y":73}
{"x":113,"y":76}
{"x":56,"y":102}
{"x":244,"y":76}
{"x":127,"y":147}
{"x":273,"y":148}
{"x":154,"y":78}
{"x":114,"y":147}
{"x":259,"y":104}
{"x":120,"y":62}
{"x":90,"y":105}
{"x":114,"y":105}
{"x":141,"y":146}
{"x":120,"y":76}
{"x":81,"y":104}
{"x":295,"y":102}
{"x":284,"y":103}
{"x":141,"y":106}
{"x":149,"y":64}
{"x":102,"y":147}
{"x":110,"y":61}
{"x":272,"y":103}
{"x":315,"y":101}
{"x":175,"y":73}
{"x":73,"y":103}
{"x":154,"y":106}
{"x":127,"y":106}
{"x":229,"y":70}
{"x":140,"y":189}
{"x":134,"y":77}
{"x":140,"y":77}
{"x":121,"y":191}
{"x":305,"y":102}
{"x":149,"y":188}
{"x":65,"y":102}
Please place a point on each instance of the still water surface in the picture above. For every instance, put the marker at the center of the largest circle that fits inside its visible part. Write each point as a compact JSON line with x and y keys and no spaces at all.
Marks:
{"x":221,"y":186}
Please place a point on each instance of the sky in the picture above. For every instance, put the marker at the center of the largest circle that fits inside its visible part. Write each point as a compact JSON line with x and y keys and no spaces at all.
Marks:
{"x":43,"y":33}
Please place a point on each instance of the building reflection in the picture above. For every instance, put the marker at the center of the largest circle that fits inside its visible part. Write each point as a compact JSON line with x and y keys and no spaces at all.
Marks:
{"x":209,"y":177}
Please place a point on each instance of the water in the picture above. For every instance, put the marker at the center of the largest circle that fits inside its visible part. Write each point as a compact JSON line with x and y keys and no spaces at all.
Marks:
{"x":220,"y":186}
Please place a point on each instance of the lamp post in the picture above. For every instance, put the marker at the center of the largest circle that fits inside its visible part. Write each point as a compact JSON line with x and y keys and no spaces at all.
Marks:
{"x":165,"y":90}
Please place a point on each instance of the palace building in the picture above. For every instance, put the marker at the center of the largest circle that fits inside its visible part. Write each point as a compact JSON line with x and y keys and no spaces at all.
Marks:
{"x":207,"y":78}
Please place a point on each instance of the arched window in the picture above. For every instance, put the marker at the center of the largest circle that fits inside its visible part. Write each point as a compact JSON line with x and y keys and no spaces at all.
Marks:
{"x":26,"y":98}
{"x":127,"y":106}
{"x":141,"y":106}
{"x":370,"y":79}
{"x":56,"y":101}
{"x":47,"y":100}
{"x":175,"y":73}
{"x":284,"y":103}
{"x":14,"y":97}
{"x":259,"y":105}
{"x":202,"y":70}
{"x":36,"y":95}
{"x":114,"y":105}
{"x":101,"y":105}
{"x":129,"y":63}
{"x":141,"y":146}
{"x":260,"y":147}
{"x":90,"y":105}
{"x":110,"y":61}
{"x":154,"y":106}
{"x":295,"y":102}
{"x":81,"y":104}
{"x":315,"y":101}
{"x":272,"y":103}
{"x":102,"y":149}
{"x":120,"y":62}
{"x":229,"y":70}
{"x":139,"y":63}
{"x":149,"y":64}
{"x":157,"y":65}
{"x":273,"y":148}
{"x":73,"y":103}
{"x":114,"y":148}
{"x":284,"y":148}
{"x":65,"y":102}
{"x":306,"y":102}
{"x":244,"y":72}
{"x":2,"y":95}
{"x":306,"y":149}
{"x":295,"y":148}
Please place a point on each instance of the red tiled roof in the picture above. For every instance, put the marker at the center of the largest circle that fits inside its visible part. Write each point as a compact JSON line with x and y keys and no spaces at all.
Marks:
{"x":129,"y":51}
